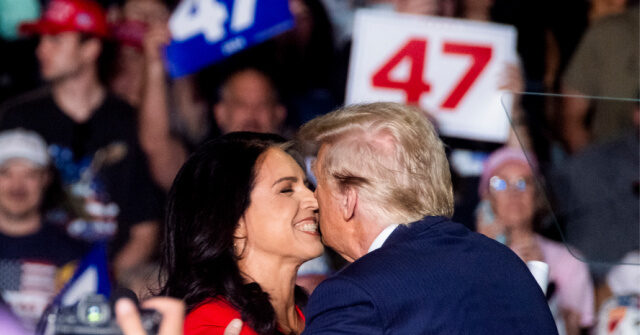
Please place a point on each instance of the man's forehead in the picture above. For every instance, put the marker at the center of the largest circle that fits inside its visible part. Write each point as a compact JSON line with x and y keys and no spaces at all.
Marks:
{"x":63,"y":36}
{"x":250,"y":83}
{"x":19,"y":162}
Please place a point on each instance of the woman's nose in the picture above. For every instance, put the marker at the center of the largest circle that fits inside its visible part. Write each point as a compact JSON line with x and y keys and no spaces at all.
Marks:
{"x":309,"y":200}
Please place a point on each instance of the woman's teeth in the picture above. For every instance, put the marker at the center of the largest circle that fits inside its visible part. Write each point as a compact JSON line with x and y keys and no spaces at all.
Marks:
{"x":310,"y":227}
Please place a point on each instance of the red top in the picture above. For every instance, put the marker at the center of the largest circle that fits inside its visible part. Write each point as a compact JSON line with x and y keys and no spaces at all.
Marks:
{"x":213,"y":317}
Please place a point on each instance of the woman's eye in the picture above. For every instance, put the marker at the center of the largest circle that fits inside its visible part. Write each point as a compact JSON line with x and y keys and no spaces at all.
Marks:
{"x":287,"y":190}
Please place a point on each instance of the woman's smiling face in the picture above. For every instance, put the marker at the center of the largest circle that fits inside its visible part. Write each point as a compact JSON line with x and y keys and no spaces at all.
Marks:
{"x":281,"y":219}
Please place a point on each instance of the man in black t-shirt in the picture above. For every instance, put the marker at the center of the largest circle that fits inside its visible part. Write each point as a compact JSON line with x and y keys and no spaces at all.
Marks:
{"x":34,"y":256}
{"x":91,"y":134}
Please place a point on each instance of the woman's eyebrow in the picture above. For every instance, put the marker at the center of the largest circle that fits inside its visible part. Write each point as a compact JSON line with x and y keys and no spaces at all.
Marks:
{"x":292,"y":179}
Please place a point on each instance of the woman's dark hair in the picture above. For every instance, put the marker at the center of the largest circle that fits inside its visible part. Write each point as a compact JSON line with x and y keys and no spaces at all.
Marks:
{"x":208,"y":197}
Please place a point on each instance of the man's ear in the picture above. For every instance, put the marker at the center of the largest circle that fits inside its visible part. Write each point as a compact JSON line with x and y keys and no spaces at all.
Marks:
{"x":349,"y":202}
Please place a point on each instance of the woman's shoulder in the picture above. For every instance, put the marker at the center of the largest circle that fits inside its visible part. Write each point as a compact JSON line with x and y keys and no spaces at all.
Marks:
{"x":563,"y":259}
{"x":558,"y":250}
{"x":212,"y":317}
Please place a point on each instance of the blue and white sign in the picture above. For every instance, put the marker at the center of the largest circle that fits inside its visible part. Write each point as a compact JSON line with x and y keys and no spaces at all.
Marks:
{"x":91,"y":277}
{"x":206,"y":31}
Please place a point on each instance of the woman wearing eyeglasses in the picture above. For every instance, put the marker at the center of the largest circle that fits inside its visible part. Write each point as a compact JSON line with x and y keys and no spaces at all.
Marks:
{"x":507,"y":213}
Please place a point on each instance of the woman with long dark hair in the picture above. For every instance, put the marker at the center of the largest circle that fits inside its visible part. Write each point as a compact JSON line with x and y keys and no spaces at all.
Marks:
{"x":240,"y":222}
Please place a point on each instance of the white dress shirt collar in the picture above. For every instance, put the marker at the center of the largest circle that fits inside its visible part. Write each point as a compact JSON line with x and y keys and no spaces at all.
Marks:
{"x":382,"y":237}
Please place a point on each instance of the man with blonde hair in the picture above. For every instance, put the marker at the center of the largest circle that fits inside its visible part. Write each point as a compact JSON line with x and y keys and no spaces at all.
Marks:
{"x":385,"y":196}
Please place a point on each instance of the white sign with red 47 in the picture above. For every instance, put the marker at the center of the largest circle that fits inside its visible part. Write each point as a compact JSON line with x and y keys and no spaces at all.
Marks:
{"x":451,"y":68}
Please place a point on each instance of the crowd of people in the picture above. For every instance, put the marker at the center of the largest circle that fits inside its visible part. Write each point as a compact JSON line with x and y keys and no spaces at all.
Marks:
{"x":198,"y":191}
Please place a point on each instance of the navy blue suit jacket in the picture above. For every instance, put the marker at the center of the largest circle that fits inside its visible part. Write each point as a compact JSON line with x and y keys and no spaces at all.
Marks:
{"x":432,"y":277}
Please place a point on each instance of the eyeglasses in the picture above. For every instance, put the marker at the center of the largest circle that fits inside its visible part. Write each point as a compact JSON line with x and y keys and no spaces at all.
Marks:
{"x":500,"y":185}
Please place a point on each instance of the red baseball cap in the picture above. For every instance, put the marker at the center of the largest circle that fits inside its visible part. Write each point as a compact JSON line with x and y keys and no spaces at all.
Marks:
{"x":70,"y":15}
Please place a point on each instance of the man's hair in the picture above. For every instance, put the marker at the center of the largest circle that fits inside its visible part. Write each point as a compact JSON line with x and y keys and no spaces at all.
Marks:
{"x":273,"y":90}
{"x":391,"y":154}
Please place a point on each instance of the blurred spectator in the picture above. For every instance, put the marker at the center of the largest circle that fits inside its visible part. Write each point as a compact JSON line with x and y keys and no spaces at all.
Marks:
{"x":596,"y":194}
{"x":603,"y":8}
{"x":620,"y":314}
{"x":624,"y":278}
{"x":612,"y":44}
{"x":92,"y":134}
{"x":173,"y":120}
{"x":249,"y":102}
{"x":165,"y":151}
{"x":137,"y":17}
{"x":30,"y":273}
{"x":303,"y":63}
{"x":508,"y":214}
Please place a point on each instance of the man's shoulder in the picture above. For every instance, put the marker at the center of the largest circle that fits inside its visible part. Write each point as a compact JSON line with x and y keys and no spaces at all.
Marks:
{"x":598,"y":36}
{"x":617,"y":23}
{"x":444,"y":273}
{"x":434,"y":239}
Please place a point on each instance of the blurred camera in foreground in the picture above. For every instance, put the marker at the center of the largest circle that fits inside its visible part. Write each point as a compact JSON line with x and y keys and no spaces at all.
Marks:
{"x":93,"y":314}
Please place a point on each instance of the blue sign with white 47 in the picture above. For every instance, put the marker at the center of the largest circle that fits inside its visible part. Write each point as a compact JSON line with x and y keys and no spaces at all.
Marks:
{"x":206,"y":31}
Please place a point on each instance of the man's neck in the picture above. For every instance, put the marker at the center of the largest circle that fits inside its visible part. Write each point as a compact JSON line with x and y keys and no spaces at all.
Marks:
{"x":382,"y":237}
{"x":20,"y":226}
{"x":79,"y":96}
{"x":367,"y":233}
